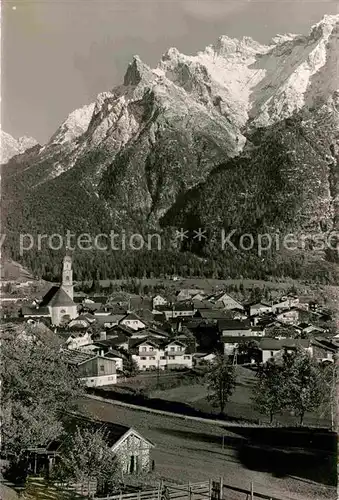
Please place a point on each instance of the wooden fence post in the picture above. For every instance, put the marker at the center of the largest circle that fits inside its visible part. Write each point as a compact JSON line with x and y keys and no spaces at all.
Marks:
{"x":221,"y":488}
{"x":252,"y":495}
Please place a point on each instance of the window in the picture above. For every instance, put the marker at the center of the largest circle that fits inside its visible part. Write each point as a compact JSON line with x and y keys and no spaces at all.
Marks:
{"x":102,"y":368}
{"x":143,"y":358}
{"x":272,"y":353}
{"x":63,"y":311}
{"x":162,"y":357}
{"x":152,"y":357}
{"x":144,"y":349}
{"x":150,"y":349}
{"x":171,"y":357}
{"x":187,"y":357}
{"x":172,"y":349}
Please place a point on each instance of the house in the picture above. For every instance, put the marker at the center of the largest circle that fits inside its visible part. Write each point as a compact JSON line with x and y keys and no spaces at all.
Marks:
{"x":132,"y":321}
{"x":285,"y":303}
{"x":202,"y":358}
{"x":108,"y":320}
{"x":199,"y":297}
{"x":211,"y":315}
{"x":156,"y":354}
{"x":79,"y":339}
{"x":260,"y":308}
{"x":131,"y":449}
{"x":324,"y":349}
{"x":35,"y":312}
{"x":178,"y":355}
{"x":158,"y":300}
{"x":107,"y":349}
{"x":80,"y":322}
{"x":188,"y":293}
{"x":289,"y":317}
{"x":94,"y":371}
{"x":272,"y":348}
{"x":176,"y":310}
{"x":148,"y":354}
{"x":226,"y":301}
{"x":234,"y":327}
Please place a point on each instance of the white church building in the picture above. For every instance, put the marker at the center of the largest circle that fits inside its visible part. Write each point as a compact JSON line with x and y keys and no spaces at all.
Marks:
{"x":58,"y":302}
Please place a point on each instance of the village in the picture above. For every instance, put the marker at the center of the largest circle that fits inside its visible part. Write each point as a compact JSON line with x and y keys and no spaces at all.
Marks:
{"x":128,"y":350}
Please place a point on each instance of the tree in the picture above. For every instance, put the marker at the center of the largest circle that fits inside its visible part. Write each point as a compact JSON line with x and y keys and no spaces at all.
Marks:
{"x":221,"y":381}
{"x":130,"y":366}
{"x":304,"y":381}
{"x":269,"y":392}
{"x":84,"y":457}
{"x":250,"y":349}
{"x":37,"y":387}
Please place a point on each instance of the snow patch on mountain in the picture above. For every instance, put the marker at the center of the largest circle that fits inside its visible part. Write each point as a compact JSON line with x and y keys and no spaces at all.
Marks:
{"x":9,"y":146}
{"x":74,"y":126}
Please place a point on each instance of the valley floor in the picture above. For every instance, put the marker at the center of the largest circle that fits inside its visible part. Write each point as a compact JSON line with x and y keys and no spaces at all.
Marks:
{"x":192,"y":451}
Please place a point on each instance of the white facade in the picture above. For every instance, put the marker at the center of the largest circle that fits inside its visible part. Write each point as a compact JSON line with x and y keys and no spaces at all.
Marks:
{"x":158,"y":300}
{"x":285,"y":303}
{"x":258,"y":309}
{"x":62,"y":313}
{"x":173,"y":355}
{"x":100,"y":380}
{"x":80,"y":341}
{"x":134,"y":323}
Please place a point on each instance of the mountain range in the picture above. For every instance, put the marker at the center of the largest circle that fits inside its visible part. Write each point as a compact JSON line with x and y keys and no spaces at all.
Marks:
{"x":239,"y":136}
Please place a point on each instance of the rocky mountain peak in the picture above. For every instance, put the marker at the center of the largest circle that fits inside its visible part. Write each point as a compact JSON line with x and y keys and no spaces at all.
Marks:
{"x":11,"y":147}
{"x":137,"y":71}
{"x":74,"y":126}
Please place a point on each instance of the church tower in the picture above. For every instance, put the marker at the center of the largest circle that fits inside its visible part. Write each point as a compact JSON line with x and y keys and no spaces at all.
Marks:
{"x":67,"y":276}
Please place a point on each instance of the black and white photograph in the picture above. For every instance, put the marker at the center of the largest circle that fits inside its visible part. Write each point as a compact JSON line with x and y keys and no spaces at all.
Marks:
{"x":169,"y":250}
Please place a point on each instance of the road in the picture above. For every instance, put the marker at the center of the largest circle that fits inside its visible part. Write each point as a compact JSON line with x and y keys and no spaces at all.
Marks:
{"x":192,"y":451}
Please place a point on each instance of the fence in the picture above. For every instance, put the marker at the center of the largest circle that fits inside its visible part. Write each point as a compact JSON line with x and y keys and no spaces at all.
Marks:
{"x":212,"y":490}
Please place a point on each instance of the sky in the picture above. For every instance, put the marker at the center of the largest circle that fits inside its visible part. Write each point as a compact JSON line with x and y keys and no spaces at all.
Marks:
{"x":57,"y":55}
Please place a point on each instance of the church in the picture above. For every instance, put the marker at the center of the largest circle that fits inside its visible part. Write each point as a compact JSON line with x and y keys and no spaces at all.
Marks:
{"x":59,"y":299}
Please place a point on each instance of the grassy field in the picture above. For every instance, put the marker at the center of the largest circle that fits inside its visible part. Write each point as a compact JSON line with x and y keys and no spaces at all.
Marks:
{"x":192,"y":451}
{"x":194,"y":394}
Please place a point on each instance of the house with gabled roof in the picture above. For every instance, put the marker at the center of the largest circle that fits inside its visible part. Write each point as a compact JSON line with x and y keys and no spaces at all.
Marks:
{"x":226,"y":300}
{"x":131,"y":449}
{"x":133,"y":321}
{"x":274,"y":348}
{"x":234,"y":327}
{"x":93,"y":370}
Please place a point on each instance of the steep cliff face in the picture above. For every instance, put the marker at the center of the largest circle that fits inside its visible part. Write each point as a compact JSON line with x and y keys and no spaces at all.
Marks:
{"x":150,"y":150}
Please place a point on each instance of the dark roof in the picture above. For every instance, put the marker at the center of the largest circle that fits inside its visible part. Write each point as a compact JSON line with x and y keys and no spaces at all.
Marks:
{"x":120,"y":329}
{"x":233,"y":324}
{"x":270,"y":344}
{"x":113,"y":353}
{"x":131,"y":316}
{"x":74,"y":357}
{"x":98,"y":298}
{"x":49,"y":295}
{"x":212,"y":314}
{"x":61,"y":299}
{"x":231,"y":339}
{"x":35,"y":311}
